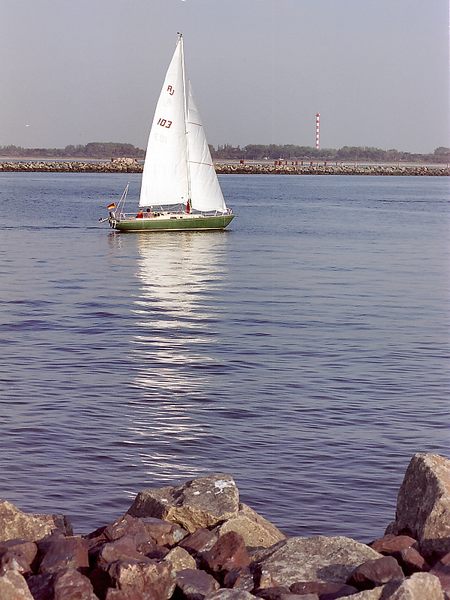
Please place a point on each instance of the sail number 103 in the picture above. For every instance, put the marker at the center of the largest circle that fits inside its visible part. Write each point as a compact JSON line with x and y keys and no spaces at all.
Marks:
{"x":165,"y":123}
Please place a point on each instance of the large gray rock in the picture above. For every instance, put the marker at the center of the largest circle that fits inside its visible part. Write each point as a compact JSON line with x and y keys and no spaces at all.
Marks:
{"x":15,"y":524}
{"x":180,"y":559}
{"x":255,"y":529}
{"x":317,"y":558}
{"x":420,"y":586}
{"x":442,"y":571}
{"x":202,"y":502}
{"x":423,"y":504}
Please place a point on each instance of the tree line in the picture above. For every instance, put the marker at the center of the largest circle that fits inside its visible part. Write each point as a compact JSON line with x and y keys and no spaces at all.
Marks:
{"x":346,"y":153}
{"x":107,"y":150}
{"x":90,"y":150}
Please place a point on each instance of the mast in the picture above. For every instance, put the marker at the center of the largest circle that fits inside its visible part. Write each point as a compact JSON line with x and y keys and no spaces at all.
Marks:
{"x":183,"y":70}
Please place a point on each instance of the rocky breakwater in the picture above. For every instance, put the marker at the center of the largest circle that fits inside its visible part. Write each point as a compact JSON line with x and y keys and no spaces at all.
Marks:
{"x":115,"y":165}
{"x":199,"y":542}
{"x":331,"y":169}
{"x":131,"y":165}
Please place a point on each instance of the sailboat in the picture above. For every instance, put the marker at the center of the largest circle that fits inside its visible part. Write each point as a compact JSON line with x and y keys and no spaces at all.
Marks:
{"x":179,"y":190}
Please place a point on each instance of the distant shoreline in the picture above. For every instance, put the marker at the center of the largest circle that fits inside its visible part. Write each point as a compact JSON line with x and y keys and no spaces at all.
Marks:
{"x":131,"y":165}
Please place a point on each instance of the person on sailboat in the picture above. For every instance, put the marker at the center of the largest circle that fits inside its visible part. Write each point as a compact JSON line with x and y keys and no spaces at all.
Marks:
{"x":148,"y":213}
{"x":188,"y":206}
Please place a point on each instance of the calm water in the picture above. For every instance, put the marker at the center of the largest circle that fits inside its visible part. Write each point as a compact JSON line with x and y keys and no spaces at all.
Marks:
{"x":305,"y":351}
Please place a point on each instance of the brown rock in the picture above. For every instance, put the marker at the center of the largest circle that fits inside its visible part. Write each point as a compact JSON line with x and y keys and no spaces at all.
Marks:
{"x":100,"y":580}
{"x":151,"y":577}
{"x":143,"y":529}
{"x":317,"y":558}
{"x":200,"y":541}
{"x":292,"y":596}
{"x":14,"y":587}
{"x":202,"y":502}
{"x":97,"y":534}
{"x":67,"y":584}
{"x":28,"y":550}
{"x":41,"y":586}
{"x":122,"y":549}
{"x":271,"y":593}
{"x":72,"y":585}
{"x":158,"y":552}
{"x":113,"y":594}
{"x":255,"y":529}
{"x":241,"y":579}
{"x":124,"y":526}
{"x":229,"y":552}
{"x":15,"y":524}
{"x":374,"y":573}
{"x":65,"y":553}
{"x":164,"y":533}
{"x":423,"y":504}
{"x":324,"y":590}
{"x":411,"y":561}
{"x":230,"y":595}
{"x":193,"y":584}
{"x":391,"y":543}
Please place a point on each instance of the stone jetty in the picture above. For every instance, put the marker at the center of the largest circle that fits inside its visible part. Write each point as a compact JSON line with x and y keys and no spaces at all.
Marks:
{"x":115,"y":165}
{"x":197,"y":541}
{"x":131,"y":165}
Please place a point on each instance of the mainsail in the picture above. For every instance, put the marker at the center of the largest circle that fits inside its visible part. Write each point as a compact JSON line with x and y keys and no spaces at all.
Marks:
{"x":165,"y":177}
{"x":178,"y":165}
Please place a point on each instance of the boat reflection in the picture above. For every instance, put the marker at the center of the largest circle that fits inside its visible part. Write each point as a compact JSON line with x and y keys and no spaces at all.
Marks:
{"x":181,"y":277}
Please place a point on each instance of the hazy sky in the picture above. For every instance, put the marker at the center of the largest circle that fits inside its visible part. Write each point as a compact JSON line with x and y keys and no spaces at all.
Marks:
{"x":75,"y":71}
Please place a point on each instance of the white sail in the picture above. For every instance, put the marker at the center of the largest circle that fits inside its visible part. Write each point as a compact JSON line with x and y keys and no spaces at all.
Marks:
{"x":165,"y":176}
{"x":206,"y":194}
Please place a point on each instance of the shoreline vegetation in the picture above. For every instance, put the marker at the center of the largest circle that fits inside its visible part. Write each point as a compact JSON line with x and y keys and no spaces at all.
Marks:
{"x":240,"y":167}
{"x":197,"y":541}
{"x":227,"y":152}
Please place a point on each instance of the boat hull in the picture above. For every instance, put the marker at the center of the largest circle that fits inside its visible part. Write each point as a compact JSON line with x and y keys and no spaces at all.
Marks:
{"x":178,"y":223}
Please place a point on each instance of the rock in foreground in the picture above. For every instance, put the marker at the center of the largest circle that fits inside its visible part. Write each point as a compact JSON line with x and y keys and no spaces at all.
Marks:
{"x":423,"y":504}
{"x":198,"y":542}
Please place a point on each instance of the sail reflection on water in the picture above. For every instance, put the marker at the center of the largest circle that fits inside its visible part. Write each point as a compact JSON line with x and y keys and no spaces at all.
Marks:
{"x":181,"y":280}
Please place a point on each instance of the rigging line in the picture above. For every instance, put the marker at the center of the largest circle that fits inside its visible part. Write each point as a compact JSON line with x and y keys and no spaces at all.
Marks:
{"x":199,"y":162}
{"x":185,"y":110}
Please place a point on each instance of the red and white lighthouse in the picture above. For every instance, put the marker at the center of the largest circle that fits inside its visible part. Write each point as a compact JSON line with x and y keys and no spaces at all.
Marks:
{"x":317,"y":131}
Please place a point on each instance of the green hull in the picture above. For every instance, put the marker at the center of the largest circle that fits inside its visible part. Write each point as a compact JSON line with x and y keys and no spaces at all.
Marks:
{"x":179,"y":223}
